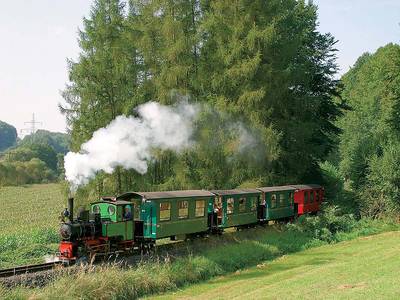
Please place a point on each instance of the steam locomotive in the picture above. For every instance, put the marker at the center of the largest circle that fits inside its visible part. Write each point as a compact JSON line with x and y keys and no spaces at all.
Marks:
{"x":135,"y":220}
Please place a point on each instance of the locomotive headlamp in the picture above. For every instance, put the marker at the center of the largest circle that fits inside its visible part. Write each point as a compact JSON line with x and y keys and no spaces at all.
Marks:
{"x":65,"y":231}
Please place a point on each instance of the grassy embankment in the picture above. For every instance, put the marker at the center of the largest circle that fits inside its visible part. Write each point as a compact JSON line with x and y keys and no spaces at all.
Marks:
{"x":205,"y":259}
{"x":365,"y":268}
{"x":29,"y":222}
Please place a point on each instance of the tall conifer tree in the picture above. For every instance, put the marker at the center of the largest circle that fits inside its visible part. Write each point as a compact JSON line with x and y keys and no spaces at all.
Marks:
{"x":271,"y":66}
{"x":102,"y":80}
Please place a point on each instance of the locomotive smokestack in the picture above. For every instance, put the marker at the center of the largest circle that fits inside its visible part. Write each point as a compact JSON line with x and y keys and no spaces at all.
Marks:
{"x":71,"y":209}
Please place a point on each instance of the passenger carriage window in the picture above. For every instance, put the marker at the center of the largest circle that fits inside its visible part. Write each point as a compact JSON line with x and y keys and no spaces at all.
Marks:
{"x":230,"y":203}
{"x":282,"y":200}
{"x":253,"y":204}
{"x":200,"y":205}
{"x":311,"y":196}
{"x":242,"y":205}
{"x":183,"y":207}
{"x":273,"y":201}
{"x":305,"y":197}
{"x":291,"y":200}
{"x":165,"y":211}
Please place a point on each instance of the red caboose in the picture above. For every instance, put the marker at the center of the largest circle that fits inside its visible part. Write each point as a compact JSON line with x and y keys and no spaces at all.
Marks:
{"x":308,"y":198}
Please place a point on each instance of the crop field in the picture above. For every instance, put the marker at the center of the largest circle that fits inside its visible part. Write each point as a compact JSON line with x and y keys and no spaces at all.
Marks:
{"x":31,"y":207}
{"x":29,"y":218}
{"x":365,"y":268}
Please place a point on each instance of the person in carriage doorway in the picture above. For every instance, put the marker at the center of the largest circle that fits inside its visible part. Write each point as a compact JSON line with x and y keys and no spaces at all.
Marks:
{"x":218,"y":210}
{"x":127,"y":213}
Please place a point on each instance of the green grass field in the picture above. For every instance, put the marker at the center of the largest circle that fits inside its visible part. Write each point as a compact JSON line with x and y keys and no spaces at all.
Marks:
{"x":29,"y":220}
{"x":365,"y":268}
{"x":24,"y":208}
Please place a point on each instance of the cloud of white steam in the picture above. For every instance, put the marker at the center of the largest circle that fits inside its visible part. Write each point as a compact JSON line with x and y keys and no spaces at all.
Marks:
{"x":128,"y":141}
{"x":246,"y":139}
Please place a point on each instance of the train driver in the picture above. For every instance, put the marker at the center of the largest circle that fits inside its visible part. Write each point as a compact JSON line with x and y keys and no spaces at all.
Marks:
{"x":127,"y":213}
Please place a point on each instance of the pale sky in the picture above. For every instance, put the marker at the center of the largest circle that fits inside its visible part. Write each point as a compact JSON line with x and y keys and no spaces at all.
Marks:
{"x":37,"y":36}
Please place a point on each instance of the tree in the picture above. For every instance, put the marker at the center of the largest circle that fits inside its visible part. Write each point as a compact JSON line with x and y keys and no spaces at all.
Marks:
{"x":57,"y":140}
{"x":40,"y":151}
{"x":8,"y":136}
{"x":265,"y":61}
{"x":370,"y":141}
{"x":168,"y":43}
{"x":98,"y":79}
{"x":24,"y":172}
{"x":103,"y":77}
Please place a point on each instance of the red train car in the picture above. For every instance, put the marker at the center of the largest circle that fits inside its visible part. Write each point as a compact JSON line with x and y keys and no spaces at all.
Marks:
{"x":308,"y":198}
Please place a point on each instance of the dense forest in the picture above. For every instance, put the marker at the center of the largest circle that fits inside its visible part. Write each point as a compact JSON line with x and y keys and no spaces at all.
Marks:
{"x":369,"y":146}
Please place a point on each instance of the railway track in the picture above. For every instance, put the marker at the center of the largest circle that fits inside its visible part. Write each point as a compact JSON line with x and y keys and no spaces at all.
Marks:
{"x":20,"y":270}
{"x":130,"y":259}
{"x":29,"y":269}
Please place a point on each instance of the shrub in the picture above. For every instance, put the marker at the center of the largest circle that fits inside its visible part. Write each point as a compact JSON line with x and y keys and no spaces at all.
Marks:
{"x":326,"y":225}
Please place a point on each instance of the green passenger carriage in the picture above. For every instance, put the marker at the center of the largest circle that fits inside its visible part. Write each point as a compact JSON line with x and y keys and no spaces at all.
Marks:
{"x":170,"y":214}
{"x":236,"y":207}
{"x":278,"y":202}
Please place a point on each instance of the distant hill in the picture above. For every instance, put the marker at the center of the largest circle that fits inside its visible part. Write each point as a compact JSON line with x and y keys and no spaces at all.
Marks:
{"x":8,"y":136}
{"x":56,"y":140}
{"x":38,"y":158}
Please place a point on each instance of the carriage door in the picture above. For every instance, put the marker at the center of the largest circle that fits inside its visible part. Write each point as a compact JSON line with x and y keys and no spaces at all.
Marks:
{"x":149,"y":215}
{"x":224,"y":211}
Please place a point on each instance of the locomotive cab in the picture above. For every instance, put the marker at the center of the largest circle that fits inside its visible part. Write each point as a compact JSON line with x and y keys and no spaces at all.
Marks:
{"x":116,"y":218}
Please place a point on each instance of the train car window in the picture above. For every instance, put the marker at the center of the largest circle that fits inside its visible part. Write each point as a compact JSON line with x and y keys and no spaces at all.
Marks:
{"x":291,"y":198}
{"x":183,"y":207}
{"x":311,"y":196}
{"x":273,"y":201}
{"x":96,"y":209}
{"x":165,"y":211}
{"x":242,"y":205}
{"x":230,"y":205}
{"x":200,"y":205}
{"x":111,"y":210}
{"x":282,"y":200}
{"x":305,"y":197}
{"x":253,"y":204}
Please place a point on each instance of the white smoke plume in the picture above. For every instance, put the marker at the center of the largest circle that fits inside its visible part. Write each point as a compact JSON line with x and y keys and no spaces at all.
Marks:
{"x":128,"y":141}
{"x":246,"y":139}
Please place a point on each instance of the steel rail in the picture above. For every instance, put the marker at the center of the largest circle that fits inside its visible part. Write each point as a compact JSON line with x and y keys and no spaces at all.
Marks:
{"x":28,"y":269}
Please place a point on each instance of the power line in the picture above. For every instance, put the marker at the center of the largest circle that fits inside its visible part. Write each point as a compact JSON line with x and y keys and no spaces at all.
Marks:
{"x":32,"y":129}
